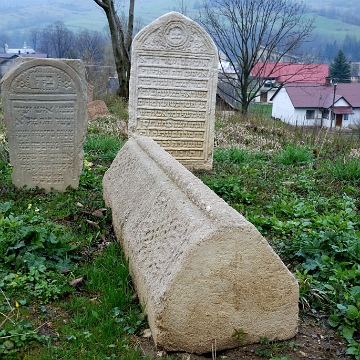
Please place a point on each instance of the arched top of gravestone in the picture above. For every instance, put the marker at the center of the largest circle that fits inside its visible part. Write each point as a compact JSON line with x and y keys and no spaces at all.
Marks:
{"x":174,"y":32}
{"x":44,"y":76}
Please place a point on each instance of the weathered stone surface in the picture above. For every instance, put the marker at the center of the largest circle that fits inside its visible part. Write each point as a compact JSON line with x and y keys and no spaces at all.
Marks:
{"x":173,"y":88}
{"x":44,"y":102}
{"x":96,"y":109}
{"x":200,"y":268}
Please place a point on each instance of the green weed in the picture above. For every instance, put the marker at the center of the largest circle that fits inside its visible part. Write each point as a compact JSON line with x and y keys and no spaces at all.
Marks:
{"x":294,"y":155}
{"x":230,"y":188}
{"x":239,"y":335}
{"x":269,"y":349}
{"x":345,"y":169}
{"x":102,"y":149}
{"x":307,"y":205}
{"x":33,"y":252}
{"x":232,"y":155}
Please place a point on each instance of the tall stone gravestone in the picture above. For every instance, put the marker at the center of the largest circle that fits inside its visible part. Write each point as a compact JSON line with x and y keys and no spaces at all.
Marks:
{"x":173,"y":88}
{"x":44,"y":103}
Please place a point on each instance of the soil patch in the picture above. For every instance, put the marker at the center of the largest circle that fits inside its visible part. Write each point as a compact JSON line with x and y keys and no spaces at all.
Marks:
{"x":315,"y":340}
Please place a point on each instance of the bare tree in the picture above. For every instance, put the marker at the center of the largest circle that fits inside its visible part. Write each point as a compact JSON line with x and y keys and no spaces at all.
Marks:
{"x":34,"y":35}
{"x":121,"y":39}
{"x":182,"y":6}
{"x":57,"y":40}
{"x":90,"y":46}
{"x":251,"y":31}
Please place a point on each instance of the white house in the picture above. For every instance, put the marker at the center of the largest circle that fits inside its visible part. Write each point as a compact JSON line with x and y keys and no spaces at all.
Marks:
{"x":19,"y":51}
{"x":310,"y":104}
{"x":273,"y":75}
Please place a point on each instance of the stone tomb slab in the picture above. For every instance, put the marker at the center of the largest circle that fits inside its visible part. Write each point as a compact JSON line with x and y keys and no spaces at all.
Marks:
{"x":201,"y":270}
{"x":44,"y":102}
{"x":173,"y":88}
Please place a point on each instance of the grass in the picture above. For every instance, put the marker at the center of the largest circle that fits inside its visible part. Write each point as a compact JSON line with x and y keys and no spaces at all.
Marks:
{"x":48,"y":241}
{"x":294,"y":154}
{"x":65,"y":290}
{"x":300,"y":188}
{"x":102,"y":313}
{"x":335,"y":29}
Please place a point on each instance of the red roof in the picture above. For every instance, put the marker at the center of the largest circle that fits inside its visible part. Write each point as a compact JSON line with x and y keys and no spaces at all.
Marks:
{"x":343,"y":110}
{"x":284,"y":72}
{"x":312,"y":95}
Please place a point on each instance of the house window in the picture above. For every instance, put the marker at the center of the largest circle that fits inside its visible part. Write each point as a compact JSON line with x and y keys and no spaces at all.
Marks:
{"x":310,"y":114}
{"x":268,"y":84}
{"x":326,"y":114}
{"x":346,"y":117}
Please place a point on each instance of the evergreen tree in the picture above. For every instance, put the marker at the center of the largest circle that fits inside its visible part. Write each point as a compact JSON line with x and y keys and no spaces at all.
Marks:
{"x":340,"y":68}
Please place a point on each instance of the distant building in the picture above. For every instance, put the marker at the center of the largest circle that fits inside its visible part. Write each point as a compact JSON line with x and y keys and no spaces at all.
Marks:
{"x":355,"y":71}
{"x":274,"y":75}
{"x":23,"y":51}
{"x":9,"y":55}
{"x":312,"y":104}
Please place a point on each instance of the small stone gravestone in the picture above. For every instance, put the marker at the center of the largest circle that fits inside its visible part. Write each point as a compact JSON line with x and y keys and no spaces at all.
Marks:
{"x":97,"y":109}
{"x":173,"y":88}
{"x":44,"y":102}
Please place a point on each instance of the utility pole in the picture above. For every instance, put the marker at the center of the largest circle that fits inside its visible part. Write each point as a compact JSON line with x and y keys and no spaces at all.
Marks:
{"x":335,"y":82}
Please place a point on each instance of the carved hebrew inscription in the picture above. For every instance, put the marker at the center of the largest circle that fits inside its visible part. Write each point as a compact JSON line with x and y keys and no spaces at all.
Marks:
{"x":173,"y":87}
{"x":46,"y":122}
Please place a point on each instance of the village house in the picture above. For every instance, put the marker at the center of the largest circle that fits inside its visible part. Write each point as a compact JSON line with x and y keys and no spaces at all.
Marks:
{"x":273,"y":75}
{"x":6,"y":61}
{"x":9,"y":55}
{"x":313,"y":104}
{"x":20,"y":51}
{"x":355,"y":71}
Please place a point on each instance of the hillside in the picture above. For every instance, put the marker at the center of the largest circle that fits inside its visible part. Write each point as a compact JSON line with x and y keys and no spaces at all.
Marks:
{"x":21,"y":15}
{"x":334,"y":19}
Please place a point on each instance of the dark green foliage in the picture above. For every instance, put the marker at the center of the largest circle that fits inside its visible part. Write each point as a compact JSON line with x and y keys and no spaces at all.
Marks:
{"x":230,"y":189}
{"x":33,"y":252}
{"x":340,"y":68}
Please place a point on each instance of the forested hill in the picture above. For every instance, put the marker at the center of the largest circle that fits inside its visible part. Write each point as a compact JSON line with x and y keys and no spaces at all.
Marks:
{"x":22,"y":14}
{"x":337,"y":21}
{"x":346,"y":11}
